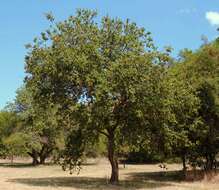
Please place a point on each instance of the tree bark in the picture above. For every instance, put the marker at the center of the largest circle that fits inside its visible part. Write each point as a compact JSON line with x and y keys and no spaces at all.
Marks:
{"x":210,"y":162}
{"x":44,"y":154}
{"x":184,"y":162}
{"x":113,"y":159}
{"x":42,"y":160}
{"x":34,"y":156}
{"x":12,"y":159}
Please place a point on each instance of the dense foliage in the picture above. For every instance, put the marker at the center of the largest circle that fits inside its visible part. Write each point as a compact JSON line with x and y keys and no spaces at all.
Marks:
{"x":104,"y":85}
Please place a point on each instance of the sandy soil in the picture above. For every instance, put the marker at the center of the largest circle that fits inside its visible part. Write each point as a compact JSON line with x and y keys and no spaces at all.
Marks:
{"x":95,"y":175}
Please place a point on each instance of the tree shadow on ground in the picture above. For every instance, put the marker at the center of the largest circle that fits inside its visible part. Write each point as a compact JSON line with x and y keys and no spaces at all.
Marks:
{"x":163,"y":176}
{"x":173,"y":176}
{"x":89,"y":183}
{"x":29,"y":165}
{"x":16,"y":165}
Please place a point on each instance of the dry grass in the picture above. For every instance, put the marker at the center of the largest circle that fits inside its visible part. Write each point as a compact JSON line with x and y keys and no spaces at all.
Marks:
{"x":95,"y":176}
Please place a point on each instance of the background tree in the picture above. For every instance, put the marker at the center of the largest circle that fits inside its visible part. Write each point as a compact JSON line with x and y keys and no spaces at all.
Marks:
{"x":38,"y":125}
{"x":200,"y":70}
{"x":11,"y":142}
{"x":185,"y":123}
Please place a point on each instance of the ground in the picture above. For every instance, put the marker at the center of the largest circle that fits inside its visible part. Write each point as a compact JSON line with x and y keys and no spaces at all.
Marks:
{"x":95,"y":175}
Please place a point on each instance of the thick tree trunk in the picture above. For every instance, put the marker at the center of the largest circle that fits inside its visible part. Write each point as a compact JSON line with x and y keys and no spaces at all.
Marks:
{"x":42,"y":160}
{"x":35,"y":161}
{"x":34,"y":156}
{"x":44,"y":154}
{"x":210,"y":166}
{"x":210,"y":162}
{"x":113,"y":159}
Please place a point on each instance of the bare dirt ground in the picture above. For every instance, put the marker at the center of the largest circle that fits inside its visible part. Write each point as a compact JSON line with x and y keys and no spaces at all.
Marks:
{"x":95,"y":176}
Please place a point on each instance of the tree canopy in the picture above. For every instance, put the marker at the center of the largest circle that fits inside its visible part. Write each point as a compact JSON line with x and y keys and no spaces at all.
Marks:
{"x":91,"y":81}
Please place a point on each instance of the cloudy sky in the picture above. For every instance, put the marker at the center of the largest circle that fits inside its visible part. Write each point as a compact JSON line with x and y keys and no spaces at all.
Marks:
{"x":178,"y":23}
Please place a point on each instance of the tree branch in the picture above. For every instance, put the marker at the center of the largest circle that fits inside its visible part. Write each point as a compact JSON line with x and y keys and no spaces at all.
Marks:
{"x":104,"y":133}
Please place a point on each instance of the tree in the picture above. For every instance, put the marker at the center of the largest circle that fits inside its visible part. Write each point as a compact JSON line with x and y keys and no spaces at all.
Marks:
{"x":15,"y":144}
{"x":38,"y":125}
{"x":183,"y":105}
{"x":200,"y":70}
{"x":12,"y":143}
{"x":103,"y":78}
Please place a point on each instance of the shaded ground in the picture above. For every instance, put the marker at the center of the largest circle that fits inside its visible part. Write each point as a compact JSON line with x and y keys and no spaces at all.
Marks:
{"x":22,"y":176}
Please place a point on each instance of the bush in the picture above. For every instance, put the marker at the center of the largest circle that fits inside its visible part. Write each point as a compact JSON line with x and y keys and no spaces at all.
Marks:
{"x":143,"y":157}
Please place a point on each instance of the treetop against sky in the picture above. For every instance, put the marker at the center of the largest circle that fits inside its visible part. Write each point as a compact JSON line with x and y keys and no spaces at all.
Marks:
{"x":177,"y":23}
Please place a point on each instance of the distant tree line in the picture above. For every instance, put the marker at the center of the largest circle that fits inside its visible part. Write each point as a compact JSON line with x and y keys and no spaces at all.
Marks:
{"x":95,"y":87}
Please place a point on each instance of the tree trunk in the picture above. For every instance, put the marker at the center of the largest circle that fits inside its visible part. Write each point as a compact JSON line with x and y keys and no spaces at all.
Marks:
{"x":184,"y":162}
{"x":113,"y":159}
{"x":35,"y":161}
{"x":210,"y":166}
{"x":12,"y":159}
{"x":42,"y":160}
{"x":210,"y":162}
{"x":44,"y":154}
{"x":34,"y":156}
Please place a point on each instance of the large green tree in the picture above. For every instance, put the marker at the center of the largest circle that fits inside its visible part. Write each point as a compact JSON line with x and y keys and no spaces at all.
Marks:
{"x":103,"y":77}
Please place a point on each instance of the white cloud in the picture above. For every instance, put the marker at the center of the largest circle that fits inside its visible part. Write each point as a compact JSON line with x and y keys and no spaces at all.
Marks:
{"x":187,"y":11}
{"x":212,"y":17}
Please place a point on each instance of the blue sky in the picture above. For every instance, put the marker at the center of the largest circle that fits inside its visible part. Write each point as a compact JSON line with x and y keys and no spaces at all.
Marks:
{"x":177,"y":23}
